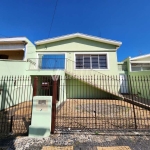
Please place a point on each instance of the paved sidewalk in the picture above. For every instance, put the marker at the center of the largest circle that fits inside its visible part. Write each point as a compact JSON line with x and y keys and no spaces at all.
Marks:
{"x":81,"y":141}
{"x":98,"y":148}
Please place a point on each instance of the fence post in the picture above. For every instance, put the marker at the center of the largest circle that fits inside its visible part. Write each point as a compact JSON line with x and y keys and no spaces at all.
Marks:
{"x":131,"y":83}
{"x":11,"y":124}
{"x":54,"y":105}
{"x":35,"y":86}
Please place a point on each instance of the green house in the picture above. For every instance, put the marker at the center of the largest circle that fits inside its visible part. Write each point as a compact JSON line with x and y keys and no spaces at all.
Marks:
{"x":85,"y":66}
{"x":139,"y":72}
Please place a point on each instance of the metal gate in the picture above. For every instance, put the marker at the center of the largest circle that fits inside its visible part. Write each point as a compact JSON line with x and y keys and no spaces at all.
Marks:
{"x":94,"y":107}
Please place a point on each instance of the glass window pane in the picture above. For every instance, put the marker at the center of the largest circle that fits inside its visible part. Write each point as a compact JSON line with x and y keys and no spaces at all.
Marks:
{"x":86,"y":62}
{"x":94,"y":61}
{"x":136,"y":68}
{"x":145,"y":68}
{"x":102,"y":62}
{"x":79,"y":61}
{"x":102,"y":57}
{"x":103,"y":67}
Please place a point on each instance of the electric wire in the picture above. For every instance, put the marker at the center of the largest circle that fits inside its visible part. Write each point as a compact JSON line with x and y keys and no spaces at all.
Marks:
{"x":52,"y":18}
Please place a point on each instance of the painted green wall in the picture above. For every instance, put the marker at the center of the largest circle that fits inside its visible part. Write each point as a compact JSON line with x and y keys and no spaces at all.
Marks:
{"x":122,"y":71}
{"x":75,"y":44}
{"x":141,"y":83}
{"x":138,"y":81}
{"x":13,"y":67}
{"x":78,"y":89}
{"x":113,"y":68}
{"x":14,"y":91}
{"x":30,"y":50}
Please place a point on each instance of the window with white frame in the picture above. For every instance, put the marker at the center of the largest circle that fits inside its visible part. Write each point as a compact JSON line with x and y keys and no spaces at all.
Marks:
{"x":92,"y":61}
{"x":140,"y":66}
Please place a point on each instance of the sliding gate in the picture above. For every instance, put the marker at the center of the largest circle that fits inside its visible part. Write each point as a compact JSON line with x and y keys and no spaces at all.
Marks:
{"x":91,"y":108}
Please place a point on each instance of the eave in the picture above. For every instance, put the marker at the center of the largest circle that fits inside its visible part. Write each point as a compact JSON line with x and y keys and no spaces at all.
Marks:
{"x":84,"y":36}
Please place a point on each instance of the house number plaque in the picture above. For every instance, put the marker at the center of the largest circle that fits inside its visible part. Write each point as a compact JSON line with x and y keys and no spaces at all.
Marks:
{"x":42,"y":105}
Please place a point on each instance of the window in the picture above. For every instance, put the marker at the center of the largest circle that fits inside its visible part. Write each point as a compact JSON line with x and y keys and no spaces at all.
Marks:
{"x":140,"y":66}
{"x":91,"y":61}
{"x":52,"y":61}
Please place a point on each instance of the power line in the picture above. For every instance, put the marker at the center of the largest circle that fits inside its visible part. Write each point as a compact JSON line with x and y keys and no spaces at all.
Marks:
{"x":4,"y":36}
{"x":53,"y":18}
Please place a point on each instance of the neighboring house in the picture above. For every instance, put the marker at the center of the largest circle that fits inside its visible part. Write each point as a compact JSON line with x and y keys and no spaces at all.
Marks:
{"x":139,"y":72}
{"x":13,"y":55}
{"x":13,"y":64}
{"x":12,"y":48}
{"x":140,"y":64}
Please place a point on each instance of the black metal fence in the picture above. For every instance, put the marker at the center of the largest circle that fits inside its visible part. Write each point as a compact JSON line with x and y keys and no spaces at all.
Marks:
{"x":16,"y":99}
{"x":15,"y":104}
{"x":94,"y":103}
{"x":99,"y":103}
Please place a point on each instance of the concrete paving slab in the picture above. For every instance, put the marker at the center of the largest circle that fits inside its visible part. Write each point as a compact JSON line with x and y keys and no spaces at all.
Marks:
{"x":57,"y":148}
{"x":114,"y":148}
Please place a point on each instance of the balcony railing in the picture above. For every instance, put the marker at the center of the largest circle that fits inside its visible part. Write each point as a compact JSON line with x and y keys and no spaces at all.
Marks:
{"x":46,"y":63}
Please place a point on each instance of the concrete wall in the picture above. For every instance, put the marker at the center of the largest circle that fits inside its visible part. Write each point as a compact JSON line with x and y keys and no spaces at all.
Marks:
{"x":30,"y":51}
{"x":13,"y":67}
{"x":15,"y":90}
{"x":141,"y":83}
{"x":77,"y":89}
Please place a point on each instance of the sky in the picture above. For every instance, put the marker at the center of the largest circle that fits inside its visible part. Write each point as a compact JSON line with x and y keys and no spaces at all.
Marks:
{"x":127,"y":21}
